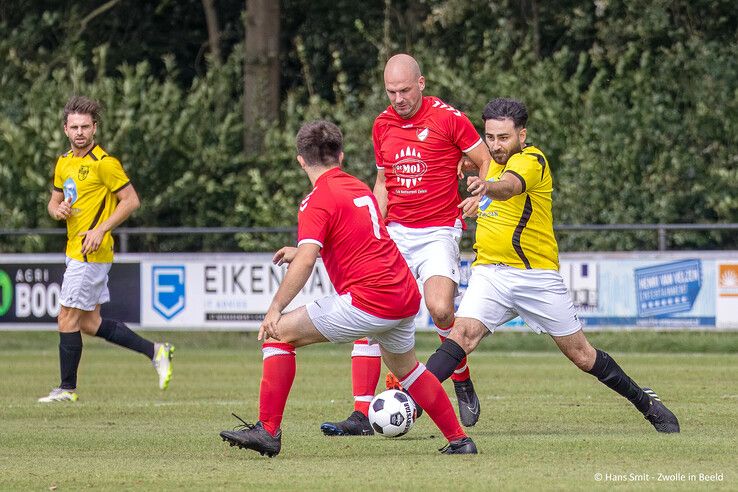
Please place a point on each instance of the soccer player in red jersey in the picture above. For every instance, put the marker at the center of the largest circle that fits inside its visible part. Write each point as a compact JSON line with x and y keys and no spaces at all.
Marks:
{"x":376,"y":296}
{"x":418,"y":142}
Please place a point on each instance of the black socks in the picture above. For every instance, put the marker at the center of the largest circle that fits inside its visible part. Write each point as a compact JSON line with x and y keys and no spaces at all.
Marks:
{"x":445,"y":360}
{"x":118,"y":333}
{"x":70,"y":351}
{"x":611,"y":375}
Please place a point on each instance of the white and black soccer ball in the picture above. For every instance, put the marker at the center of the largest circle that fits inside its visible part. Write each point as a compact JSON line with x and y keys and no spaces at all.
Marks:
{"x":392,"y":413}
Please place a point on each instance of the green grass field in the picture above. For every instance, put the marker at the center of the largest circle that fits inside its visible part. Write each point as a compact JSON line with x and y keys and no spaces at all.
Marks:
{"x":544,"y":424}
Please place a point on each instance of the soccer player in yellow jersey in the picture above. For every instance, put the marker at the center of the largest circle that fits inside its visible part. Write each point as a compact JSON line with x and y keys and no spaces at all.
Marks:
{"x":516,"y":269}
{"x":92,"y":193}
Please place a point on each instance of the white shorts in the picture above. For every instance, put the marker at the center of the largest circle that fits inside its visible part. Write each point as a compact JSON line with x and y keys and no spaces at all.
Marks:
{"x":85,"y":285}
{"x":498,"y":293}
{"x":341,"y":322}
{"x":429,"y":251}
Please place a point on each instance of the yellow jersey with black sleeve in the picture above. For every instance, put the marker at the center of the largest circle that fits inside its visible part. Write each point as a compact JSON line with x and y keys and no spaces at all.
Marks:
{"x":91,"y":182}
{"x":518,"y":232}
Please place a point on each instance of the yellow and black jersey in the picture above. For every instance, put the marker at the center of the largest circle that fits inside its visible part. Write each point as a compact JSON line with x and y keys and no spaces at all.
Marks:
{"x":518,"y":232}
{"x":91,"y":182}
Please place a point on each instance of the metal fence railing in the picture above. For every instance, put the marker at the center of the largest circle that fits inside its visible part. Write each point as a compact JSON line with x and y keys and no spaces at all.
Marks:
{"x":661,"y":230}
{"x":124,"y":233}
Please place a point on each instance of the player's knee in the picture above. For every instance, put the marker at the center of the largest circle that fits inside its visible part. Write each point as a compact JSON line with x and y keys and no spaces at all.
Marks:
{"x":67,"y":321}
{"x":89,"y":326}
{"x":442,"y":313}
{"x":292,"y":337}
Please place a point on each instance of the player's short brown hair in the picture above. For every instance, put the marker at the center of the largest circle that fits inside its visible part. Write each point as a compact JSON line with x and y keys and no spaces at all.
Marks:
{"x":82,"y":105}
{"x":320,"y":143}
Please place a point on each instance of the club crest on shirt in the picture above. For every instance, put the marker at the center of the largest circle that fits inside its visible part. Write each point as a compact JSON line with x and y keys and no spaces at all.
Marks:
{"x":422,"y":134}
{"x":84,"y":171}
{"x":409,"y":167}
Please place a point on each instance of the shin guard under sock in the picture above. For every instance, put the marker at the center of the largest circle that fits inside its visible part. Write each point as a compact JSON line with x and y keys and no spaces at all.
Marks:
{"x":445,"y":359}
{"x":118,"y":333}
{"x":611,"y":375}
{"x":70,"y":352}
{"x":461,"y":372}
{"x":428,"y":393}
{"x":278,"y":373}
{"x":366,"y":364}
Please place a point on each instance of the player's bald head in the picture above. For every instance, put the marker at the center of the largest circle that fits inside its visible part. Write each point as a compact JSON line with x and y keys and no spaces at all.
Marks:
{"x":404,"y":84}
{"x":402,"y":66}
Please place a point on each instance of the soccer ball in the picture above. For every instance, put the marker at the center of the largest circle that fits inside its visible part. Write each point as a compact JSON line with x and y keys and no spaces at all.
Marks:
{"x":392,"y":413}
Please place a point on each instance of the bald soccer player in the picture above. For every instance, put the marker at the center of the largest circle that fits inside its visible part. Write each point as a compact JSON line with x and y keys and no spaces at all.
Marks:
{"x":418,"y":142}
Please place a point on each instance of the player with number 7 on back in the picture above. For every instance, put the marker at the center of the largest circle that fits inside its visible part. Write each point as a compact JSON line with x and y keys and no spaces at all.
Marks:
{"x":418,"y":141}
{"x":376,"y":296}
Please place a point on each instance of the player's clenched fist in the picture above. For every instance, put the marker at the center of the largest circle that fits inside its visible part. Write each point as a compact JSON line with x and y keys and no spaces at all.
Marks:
{"x":92,"y":240}
{"x":64,"y":210}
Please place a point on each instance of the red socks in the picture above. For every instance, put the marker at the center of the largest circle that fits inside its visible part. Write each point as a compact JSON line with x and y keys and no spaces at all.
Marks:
{"x":276,"y":382}
{"x":461,"y":373}
{"x":366,"y":364}
{"x":429,"y":394}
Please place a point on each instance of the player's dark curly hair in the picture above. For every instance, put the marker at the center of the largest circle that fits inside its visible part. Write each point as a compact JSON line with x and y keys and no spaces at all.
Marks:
{"x":320,"y":143}
{"x":82,"y":105}
{"x":501,"y":108}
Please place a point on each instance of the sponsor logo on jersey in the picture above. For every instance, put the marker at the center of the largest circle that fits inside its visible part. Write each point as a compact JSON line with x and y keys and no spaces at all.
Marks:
{"x":422,"y":134}
{"x":485,"y":202}
{"x":70,"y":190}
{"x":409,"y":167}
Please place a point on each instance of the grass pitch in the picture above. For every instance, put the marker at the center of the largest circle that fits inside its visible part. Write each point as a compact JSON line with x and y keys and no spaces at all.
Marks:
{"x":544,"y":424}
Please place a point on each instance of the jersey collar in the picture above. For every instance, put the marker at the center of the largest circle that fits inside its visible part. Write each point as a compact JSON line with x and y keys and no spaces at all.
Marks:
{"x":424,"y":105}
{"x":331,"y":172}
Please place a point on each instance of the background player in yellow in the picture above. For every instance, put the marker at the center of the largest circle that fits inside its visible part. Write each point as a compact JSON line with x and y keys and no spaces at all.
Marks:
{"x":93,"y":195}
{"x":516,"y":270}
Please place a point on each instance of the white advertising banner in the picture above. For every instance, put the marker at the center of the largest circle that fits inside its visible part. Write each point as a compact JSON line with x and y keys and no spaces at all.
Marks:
{"x":231,"y":291}
{"x":726,"y":310}
{"x":222,"y":291}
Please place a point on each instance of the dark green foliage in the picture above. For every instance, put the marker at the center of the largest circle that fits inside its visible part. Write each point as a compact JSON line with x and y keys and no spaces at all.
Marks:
{"x":636,"y":106}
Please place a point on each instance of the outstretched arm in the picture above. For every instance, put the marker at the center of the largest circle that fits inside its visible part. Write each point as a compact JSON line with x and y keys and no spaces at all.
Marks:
{"x":507,"y":187}
{"x":302,"y":261}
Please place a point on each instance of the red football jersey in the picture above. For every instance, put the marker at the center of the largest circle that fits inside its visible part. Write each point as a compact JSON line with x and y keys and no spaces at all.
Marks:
{"x":341,"y":215}
{"x":419,"y":157}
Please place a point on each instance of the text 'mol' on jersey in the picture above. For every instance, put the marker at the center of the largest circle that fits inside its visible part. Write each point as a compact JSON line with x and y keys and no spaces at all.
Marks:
{"x":419,"y":156}
{"x":91,"y":181}
{"x":519,"y":232}
{"x":341,"y":215}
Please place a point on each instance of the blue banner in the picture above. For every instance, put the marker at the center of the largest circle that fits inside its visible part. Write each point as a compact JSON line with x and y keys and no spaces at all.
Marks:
{"x":668,"y":288}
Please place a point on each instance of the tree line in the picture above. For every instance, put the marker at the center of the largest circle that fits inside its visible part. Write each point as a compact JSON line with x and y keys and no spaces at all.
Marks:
{"x":636,"y":104}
